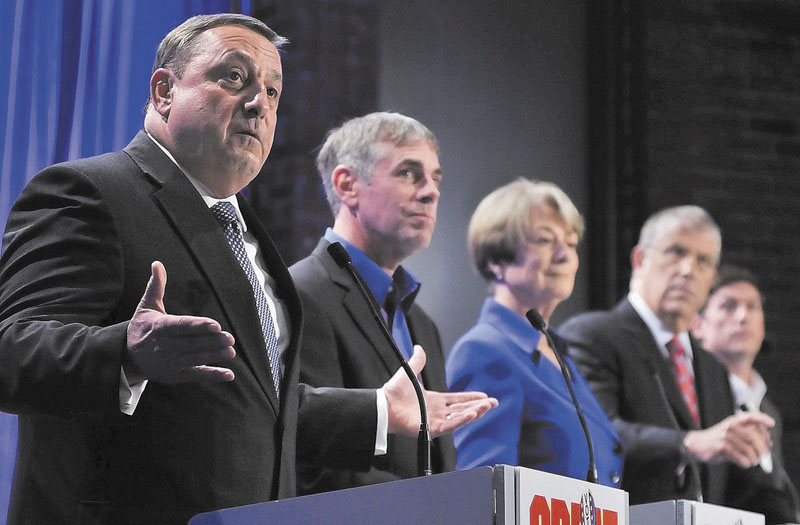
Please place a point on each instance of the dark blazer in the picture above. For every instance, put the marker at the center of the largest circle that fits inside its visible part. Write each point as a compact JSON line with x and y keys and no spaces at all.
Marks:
{"x":343,"y":347}
{"x":77,"y":252}
{"x":636,"y":386}
{"x":772,"y":494}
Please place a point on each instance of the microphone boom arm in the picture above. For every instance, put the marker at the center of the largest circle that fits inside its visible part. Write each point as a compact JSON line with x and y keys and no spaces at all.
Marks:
{"x":342,"y":258}
{"x":536,"y":320}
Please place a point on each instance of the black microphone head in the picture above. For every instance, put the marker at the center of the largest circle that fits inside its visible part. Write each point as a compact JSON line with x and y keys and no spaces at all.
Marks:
{"x":339,"y":254}
{"x":535,"y":318}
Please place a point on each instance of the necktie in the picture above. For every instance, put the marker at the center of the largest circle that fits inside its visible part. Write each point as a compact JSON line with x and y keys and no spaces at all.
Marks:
{"x":226,"y":215}
{"x":395,"y":306}
{"x":390,"y":305}
{"x":684,"y":376}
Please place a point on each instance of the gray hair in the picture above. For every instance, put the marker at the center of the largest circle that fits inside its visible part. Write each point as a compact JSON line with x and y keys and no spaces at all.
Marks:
{"x":360,"y":143}
{"x":179,"y":46}
{"x":501,"y":224}
{"x":670,"y":219}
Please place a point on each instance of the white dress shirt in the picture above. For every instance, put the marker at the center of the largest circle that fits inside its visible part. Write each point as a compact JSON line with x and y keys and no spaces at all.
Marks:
{"x":661,"y":333}
{"x":129,"y":395}
{"x":749,"y":397}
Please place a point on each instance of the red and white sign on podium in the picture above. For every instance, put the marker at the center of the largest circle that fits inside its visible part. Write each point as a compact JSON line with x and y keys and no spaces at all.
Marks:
{"x":686,"y":512}
{"x":499,"y":495}
{"x":548,"y":499}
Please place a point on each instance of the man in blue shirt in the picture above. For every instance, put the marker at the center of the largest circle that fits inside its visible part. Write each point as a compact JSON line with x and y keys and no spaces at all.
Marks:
{"x":381,"y":174}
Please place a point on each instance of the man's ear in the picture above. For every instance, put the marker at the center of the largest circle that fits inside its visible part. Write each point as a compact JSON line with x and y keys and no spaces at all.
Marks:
{"x":161,"y":83}
{"x":637,"y":256}
{"x":346,"y":184}
{"x":696,"y":326}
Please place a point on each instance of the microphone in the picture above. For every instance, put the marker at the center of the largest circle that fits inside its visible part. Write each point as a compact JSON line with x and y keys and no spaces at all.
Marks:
{"x":536,"y":320}
{"x":342,"y":258}
{"x":662,"y":394}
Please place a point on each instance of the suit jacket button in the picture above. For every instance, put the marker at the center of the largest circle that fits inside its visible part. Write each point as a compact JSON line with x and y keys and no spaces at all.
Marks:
{"x":614,"y":477}
{"x":618,"y":448}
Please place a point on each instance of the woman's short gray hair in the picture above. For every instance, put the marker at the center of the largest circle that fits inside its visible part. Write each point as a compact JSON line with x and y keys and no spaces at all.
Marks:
{"x":501,"y":224}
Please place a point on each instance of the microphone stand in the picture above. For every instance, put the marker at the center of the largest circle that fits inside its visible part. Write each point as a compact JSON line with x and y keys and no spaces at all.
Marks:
{"x":691,"y":463}
{"x":536,"y":320}
{"x":342,"y":258}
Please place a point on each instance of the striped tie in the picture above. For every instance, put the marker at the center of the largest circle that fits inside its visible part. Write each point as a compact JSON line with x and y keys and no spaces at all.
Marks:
{"x":684,"y":376}
{"x":226,"y":215}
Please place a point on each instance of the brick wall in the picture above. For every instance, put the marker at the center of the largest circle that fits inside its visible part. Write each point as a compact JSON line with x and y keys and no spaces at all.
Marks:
{"x":722,"y":99}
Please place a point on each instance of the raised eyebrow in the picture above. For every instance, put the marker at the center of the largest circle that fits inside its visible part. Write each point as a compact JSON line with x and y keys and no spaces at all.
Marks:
{"x":274,"y":74}
{"x":410,"y":163}
{"x":545,"y":228}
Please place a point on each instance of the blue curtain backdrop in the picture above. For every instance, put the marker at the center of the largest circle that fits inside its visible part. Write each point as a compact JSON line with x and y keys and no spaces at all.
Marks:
{"x":77,"y":79}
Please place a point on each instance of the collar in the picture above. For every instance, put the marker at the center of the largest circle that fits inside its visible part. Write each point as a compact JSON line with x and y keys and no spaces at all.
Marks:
{"x":202,"y":189}
{"x":377,"y":280}
{"x":513,"y":325}
{"x":749,"y":395}
{"x":661,"y":333}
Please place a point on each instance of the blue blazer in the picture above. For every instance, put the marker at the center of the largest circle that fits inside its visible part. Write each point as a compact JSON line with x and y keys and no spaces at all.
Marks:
{"x":535,"y":424}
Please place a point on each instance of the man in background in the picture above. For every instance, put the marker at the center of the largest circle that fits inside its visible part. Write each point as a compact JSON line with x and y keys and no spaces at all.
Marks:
{"x":731,"y":326}
{"x":669,"y":399}
{"x":381,"y":174}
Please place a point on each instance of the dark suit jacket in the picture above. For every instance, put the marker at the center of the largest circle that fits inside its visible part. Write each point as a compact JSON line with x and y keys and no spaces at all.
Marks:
{"x":636,"y":386}
{"x":343,"y":347}
{"x":772,"y":494}
{"x":77,"y":252}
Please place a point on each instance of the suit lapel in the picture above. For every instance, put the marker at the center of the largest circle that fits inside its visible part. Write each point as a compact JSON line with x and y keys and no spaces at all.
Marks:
{"x":426,"y":335}
{"x":637,"y":331}
{"x":285,"y":290}
{"x":357,"y":308}
{"x":204,"y":239}
{"x":707,"y":394}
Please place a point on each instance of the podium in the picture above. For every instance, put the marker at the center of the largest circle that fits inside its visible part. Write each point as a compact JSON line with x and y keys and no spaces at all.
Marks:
{"x":486,"y":495}
{"x":685,"y":512}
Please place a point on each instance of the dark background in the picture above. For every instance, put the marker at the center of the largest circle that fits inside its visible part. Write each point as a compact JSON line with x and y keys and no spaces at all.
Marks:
{"x":628,"y":106}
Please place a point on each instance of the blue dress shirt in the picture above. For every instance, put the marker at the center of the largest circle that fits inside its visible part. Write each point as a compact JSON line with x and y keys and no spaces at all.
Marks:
{"x":535,"y":424}
{"x":402,"y":285}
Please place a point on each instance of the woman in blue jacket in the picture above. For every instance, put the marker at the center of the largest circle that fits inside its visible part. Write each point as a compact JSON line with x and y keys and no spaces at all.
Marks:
{"x":523,"y":240}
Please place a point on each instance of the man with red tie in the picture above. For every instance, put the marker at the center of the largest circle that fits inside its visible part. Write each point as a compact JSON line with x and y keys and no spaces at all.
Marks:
{"x":669,"y":399}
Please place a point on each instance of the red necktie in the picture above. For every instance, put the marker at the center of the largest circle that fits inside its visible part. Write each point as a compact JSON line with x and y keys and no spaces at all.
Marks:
{"x":684,"y":376}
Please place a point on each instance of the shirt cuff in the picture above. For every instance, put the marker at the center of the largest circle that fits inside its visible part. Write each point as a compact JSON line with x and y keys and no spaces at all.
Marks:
{"x":381,"y":435}
{"x":129,"y":395}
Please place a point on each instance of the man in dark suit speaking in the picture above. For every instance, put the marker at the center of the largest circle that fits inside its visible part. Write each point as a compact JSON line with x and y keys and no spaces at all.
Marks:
{"x":381,"y":174}
{"x":669,"y":399}
{"x":149,"y":408}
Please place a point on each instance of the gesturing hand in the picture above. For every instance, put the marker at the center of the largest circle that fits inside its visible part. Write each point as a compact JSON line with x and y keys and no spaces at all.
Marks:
{"x":174,"y":348}
{"x":446,"y":411}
